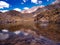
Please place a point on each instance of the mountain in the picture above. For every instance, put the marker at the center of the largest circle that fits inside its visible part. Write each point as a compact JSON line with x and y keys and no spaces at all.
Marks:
{"x":31,"y":10}
{"x":10,"y":17}
{"x":51,"y":13}
{"x":13,"y":13}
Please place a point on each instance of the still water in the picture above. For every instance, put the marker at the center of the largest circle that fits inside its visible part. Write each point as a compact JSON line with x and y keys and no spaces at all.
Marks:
{"x":31,"y":34}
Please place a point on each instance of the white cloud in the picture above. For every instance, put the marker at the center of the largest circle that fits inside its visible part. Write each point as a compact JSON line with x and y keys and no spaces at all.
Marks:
{"x":34,"y":1}
{"x":4,"y":11}
{"x":17,"y":9}
{"x":42,"y":6}
{"x":57,"y":1}
{"x":4,"y":4}
{"x":24,"y":0}
{"x":4,"y":30}
{"x":17,"y":32}
{"x":26,"y":8}
{"x":4,"y":36}
{"x":40,"y":2}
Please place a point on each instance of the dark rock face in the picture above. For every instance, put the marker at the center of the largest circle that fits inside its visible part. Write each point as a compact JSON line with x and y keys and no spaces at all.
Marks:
{"x":18,"y":39}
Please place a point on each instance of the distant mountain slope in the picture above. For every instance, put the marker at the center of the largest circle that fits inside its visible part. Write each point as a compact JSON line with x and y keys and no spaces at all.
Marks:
{"x":52,"y":13}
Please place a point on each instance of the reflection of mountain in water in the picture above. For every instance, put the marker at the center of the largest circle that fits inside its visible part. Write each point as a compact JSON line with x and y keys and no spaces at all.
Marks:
{"x":49,"y":30}
{"x":24,"y":38}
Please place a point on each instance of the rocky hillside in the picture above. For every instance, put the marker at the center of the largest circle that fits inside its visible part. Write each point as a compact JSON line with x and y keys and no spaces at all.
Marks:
{"x":52,"y":13}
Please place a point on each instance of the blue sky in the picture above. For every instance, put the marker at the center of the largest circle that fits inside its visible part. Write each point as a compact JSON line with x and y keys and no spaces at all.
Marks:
{"x":22,"y":4}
